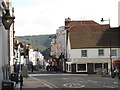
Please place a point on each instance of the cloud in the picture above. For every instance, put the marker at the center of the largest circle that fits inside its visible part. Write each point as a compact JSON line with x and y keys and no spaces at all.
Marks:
{"x":35,"y":17}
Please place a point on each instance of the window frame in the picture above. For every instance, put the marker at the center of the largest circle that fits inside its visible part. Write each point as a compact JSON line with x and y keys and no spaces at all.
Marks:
{"x":100,"y":52}
{"x":84,"y":54}
{"x":81,"y":70}
{"x":95,"y":69}
{"x":68,"y":67}
{"x":113,"y":52}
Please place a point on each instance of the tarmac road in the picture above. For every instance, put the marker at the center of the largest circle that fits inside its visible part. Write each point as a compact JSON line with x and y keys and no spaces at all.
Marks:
{"x":76,"y":80}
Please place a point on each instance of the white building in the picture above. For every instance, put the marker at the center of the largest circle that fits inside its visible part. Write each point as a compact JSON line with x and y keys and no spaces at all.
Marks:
{"x":119,"y":13}
{"x":35,"y":56}
{"x":89,"y":45}
{"x":6,"y":59}
{"x":32,"y":56}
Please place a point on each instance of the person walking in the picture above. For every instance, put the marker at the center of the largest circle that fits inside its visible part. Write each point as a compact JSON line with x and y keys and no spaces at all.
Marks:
{"x":32,"y":68}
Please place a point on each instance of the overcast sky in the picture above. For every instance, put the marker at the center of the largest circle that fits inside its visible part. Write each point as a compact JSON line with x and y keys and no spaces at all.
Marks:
{"x":36,"y":17}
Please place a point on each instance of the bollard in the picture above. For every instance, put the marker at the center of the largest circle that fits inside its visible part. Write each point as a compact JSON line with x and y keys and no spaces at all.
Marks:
{"x":21,"y":80}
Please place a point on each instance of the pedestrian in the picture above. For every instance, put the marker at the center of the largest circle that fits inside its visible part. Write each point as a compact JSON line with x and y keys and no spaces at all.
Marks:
{"x":17,"y":69}
{"x":32,"y":68}
{"x":47,"y":66}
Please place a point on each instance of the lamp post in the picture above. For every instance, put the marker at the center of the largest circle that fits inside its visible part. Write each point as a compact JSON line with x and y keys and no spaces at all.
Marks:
{"x":7,"y":20}
{"x":102,"y":20}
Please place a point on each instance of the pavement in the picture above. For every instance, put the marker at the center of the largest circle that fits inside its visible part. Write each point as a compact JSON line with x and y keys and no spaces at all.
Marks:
{"x":33,"y":83}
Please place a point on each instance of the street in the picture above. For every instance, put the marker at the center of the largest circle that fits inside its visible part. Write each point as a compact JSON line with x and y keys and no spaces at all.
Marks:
{"x":64,"y":80}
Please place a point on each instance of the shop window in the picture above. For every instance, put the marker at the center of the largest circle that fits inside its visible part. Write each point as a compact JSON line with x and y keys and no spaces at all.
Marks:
{"x":106,"y":66}
{"x":98,"y":66}
{"x":81,"y":67}
{"x":68,"y":67}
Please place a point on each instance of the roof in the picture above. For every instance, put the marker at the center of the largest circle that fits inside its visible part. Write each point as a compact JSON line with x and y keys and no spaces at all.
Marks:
{"x":93,"y":36}
{"x":72,"y":23}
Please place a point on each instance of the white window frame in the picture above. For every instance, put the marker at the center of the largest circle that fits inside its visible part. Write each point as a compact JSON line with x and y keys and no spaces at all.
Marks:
{"x":81,"y":70}
{"x":68,"y":67}
{"x":84,"y":53}
{"x":114,"y":52}
{"x":99,"y":53}
{"x":103,"y":67}
{"x":95,"y":69}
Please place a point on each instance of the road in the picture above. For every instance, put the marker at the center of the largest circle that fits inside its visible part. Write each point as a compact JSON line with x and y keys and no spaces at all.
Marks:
{"x":65,"y":80}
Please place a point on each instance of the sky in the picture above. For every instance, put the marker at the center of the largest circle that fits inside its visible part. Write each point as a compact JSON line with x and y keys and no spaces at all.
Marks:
{"x":39,"y":17}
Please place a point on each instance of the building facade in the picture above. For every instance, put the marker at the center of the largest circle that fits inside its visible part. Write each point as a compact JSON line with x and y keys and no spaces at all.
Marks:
{"x":6,"y":43}
{"x":119,"y":13}
{"x":61,"y":41}
{"x":91,"y":47}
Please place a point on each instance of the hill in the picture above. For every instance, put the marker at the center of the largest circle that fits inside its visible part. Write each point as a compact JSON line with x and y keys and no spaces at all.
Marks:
{"x":40,"y":42}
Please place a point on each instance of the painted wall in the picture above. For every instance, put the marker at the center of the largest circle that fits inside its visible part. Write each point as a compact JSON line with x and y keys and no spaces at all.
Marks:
{"x":3,"y":49}
{"x":92,"y":54}
{"x":3,"y":43}
{"x":119,"y":13}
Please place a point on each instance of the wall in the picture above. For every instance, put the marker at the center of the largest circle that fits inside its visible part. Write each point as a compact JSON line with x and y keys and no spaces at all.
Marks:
{"x":119,"y":13}
{"x":61,"y":41}
{"x":91,"y":53}
{"x":92,"y":56}
{"x":3,"y":50}
{"x":3,"y":45}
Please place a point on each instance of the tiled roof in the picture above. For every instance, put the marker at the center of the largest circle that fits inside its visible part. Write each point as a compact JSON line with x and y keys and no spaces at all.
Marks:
{"x":92,"y":35}
{"x":72,"y":23}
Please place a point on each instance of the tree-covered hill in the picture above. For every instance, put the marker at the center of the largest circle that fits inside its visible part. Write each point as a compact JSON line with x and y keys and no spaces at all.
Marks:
{"x":40,"y":42}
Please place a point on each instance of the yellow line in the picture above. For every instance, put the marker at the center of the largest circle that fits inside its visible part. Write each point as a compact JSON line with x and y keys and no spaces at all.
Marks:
{"x":45,"y":82}
{"x":49,"y":84}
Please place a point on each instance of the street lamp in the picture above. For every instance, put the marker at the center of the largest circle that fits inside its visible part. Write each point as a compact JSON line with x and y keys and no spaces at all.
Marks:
{"x":102,"y":20}
{"x":7,"y":20}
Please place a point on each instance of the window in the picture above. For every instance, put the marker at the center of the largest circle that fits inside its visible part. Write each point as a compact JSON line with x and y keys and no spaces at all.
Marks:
{"x":98,"y":66}
{"x":81,"y":67}
{"x":84,"y":53}
{"x":106,"y":66}
{"x":68,"y":67}
{"x":113,"y":52}
{"x":100,"y":52}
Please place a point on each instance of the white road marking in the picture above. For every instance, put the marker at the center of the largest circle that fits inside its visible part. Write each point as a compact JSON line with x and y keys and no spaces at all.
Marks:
{"x":116,"y":83}
{"x":63,"y":78}
{"x":92,"y":81}
{"x":108,"y":86}
{"x":55,"y":74}
{"x":73,"y":85}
